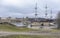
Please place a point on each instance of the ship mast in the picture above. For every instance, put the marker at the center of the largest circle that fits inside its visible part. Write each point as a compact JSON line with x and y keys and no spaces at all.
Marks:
{"x":36,"y":12}
{"x":46,"y":11}
{"x":51,"y":14}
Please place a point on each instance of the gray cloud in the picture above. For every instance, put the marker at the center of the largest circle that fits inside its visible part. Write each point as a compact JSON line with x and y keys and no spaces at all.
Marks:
{"x":21,"y":8}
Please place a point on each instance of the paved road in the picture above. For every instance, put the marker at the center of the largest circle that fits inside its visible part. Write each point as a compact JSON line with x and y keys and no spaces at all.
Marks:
{"x":28,"y":33}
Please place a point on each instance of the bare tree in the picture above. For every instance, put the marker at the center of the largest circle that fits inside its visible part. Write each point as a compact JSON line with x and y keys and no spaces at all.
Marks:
{"x":58,"y":20}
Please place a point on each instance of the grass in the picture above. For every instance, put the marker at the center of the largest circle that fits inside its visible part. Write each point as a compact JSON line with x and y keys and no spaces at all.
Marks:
{"x":29,"y":36}
{"x":11,"y":28}
{"x":55,"y":30}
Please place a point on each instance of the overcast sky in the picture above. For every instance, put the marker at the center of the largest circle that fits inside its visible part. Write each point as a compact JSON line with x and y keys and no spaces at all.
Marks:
{"x":23,"y":8}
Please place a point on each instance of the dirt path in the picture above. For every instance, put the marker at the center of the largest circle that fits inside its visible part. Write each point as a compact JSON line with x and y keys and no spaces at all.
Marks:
{"x":27,"y":33}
